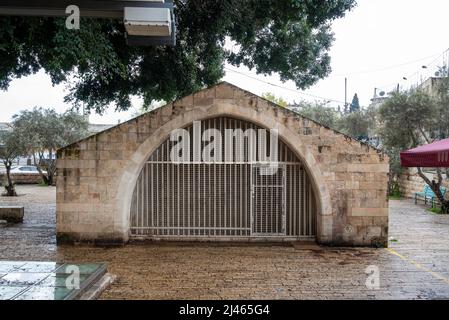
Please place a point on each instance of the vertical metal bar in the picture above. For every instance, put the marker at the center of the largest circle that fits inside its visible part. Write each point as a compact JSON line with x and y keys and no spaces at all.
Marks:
{"x":147,"y":195}
{"x":261,"y":204}
{"x":284,"y":201}
{"x":204,"y":169}
{"x":172,"y":196}
{"x":274,"y":203}
{"x":269,"y":199}
{"x":164,"y":210}
{"x":220,"y":197}
{"x":168,"y":192}
{"x":241,"y":193}
{"x":290,"y":178}
{"x":296,"y":199}
{"x":195,"y":196}
{"x":225,"y":181}
{"x":221,"y":181}
{"x":157,"y":199}
{"x":310,"y":210}
{"x":235,"y":177}
{"x":151,"y":186}
{"x":178,"y":198}
{"x":251,"y":213}
{"x":304,"y":211}
{"x":306,"y":187}
{"x":138,"y":204}
{"x":168,"y":187}
{"x":215,"y":185}
{"x":207,"y":210}
{"x":183,"y":198}
{"x":273,"y":197}
{"x":189,"y":196}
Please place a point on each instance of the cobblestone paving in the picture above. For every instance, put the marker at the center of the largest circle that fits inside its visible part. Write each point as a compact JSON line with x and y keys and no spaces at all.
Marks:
{"x":417,"y":267}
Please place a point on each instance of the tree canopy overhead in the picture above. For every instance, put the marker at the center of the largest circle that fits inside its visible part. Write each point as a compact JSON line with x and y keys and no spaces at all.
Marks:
{"x":289,"y":37}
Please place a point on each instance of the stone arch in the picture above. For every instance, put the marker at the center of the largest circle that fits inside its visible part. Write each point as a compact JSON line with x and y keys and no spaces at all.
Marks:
{"x":266,"y":120}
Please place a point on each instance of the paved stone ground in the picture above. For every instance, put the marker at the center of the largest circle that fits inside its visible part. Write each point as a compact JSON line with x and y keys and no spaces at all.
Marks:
{"x":416,"y":267}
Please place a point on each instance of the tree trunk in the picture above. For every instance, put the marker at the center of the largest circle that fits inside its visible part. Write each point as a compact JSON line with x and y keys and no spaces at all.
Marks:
{"x":51,"y":171}
{"x":435,"y":186}
{"x":10,"y":190}
{"x":44,"y":178}
{"x":50,"y":177}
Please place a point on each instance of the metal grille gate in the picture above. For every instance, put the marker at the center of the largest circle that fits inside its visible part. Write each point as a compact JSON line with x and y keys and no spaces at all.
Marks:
{"x":268,"y":202}
{"x":222,"y":199}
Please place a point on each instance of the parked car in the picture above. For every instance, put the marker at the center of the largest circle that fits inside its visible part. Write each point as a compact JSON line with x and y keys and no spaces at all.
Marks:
{"x":24,"y":170}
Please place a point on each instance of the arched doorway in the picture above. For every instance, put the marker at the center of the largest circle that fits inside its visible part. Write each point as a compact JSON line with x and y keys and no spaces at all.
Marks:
{"x":237,"y":197}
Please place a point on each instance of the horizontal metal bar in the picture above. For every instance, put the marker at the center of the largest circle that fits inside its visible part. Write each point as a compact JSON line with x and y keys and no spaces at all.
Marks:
{"x":88,"y":8}
{"x":224,"y":238}
{"x":268,"y":234}
{"x":189,"y":228}
{"x":268,"y":186}
{"x":223,"y":162}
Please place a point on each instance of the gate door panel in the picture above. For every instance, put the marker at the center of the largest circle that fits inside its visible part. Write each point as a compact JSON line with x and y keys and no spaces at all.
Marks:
{"x":268,"y":201}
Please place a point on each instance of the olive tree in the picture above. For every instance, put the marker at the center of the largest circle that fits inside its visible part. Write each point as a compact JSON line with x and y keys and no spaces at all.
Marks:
{"x":356,"y":124}
{"x":44,"y":131}
{"x":409,"y":119}
{"x":11,"y":147}
{"x":319,"y":112}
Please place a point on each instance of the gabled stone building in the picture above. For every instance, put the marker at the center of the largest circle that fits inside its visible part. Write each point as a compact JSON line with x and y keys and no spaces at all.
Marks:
{"x":121,"y":184}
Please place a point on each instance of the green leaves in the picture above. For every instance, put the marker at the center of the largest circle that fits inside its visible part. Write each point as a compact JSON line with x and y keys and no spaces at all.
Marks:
{"x":408,"y":119}
{"x":320,"y":113}
{"x":42,"y":130}
{"x":289,"y":37}
{"x":11,"y":146}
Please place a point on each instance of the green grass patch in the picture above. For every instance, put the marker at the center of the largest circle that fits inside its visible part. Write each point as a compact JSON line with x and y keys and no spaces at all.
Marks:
{"x":435,"y":210}
{"x":395,"y":197}
{"x":42,"y":184}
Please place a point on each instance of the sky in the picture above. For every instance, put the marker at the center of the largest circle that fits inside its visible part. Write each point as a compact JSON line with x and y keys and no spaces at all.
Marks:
{"x":377,"y":45}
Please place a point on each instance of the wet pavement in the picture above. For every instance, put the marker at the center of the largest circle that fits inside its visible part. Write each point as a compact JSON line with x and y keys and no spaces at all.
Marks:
{"x":46,"y":280}
{"x":416,"y":266}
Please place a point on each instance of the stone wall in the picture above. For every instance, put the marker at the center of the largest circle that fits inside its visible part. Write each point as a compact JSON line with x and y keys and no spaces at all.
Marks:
{"x":96,"y":176}
{"x":410,"y":182}
{"x":19,"y":178}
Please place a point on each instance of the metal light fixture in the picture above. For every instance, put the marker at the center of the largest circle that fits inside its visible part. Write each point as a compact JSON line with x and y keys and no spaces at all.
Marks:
{"x":147,"y":22}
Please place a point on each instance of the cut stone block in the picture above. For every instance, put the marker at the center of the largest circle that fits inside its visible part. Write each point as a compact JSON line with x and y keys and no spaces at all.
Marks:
{"x":11,"y":213}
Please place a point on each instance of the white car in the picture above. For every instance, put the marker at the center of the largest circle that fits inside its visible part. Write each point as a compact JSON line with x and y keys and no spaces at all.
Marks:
{"x":25,"y":170}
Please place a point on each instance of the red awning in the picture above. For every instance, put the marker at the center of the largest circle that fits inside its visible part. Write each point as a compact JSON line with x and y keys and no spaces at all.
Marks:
{"x":434,"y":155}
